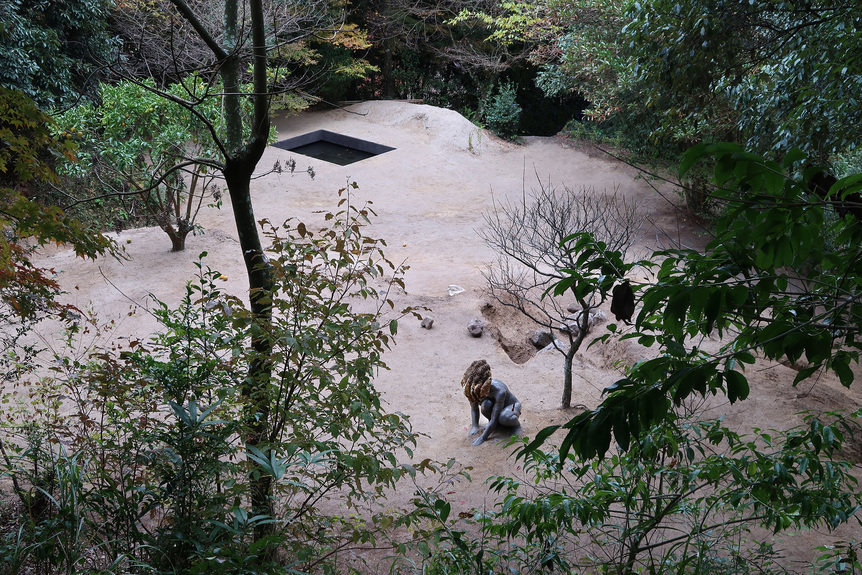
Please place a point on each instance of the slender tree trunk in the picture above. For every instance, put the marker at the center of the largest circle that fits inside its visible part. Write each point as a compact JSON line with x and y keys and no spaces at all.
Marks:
{"x":260,"y":282}
{"x":388,"y":47}
{"x":237,"y":176}
{"x":574,"y":346}
{"x":567,"y":378}
{"x":243,"y":146}
{"x":388,"y":78}
{"x":177,"y":235}
{"x":243,"y":156}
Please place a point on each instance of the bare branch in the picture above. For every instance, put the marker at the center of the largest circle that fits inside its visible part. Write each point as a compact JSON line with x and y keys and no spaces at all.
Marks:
{"x":529,"y":236}
{"x":200,"y":29}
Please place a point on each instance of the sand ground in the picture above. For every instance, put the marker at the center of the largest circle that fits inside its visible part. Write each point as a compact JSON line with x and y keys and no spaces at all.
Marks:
{"x":431,"y":194}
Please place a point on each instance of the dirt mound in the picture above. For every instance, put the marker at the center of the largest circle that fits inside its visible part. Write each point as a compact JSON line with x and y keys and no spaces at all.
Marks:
{"x":447,"y":129}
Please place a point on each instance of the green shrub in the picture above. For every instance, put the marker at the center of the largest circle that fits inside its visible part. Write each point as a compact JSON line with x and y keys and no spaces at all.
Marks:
{"x":503,"y":113}
{"x":138,"y":456}
{"x":686,"y":497}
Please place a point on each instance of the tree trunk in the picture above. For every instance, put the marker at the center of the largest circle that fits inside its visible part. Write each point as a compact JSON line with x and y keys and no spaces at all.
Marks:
{"x":178,"y":242}
{"x":177,"y":235}
{"x":567,"y":378}
{"x":242,"y":158}
{"x":574,"y":346}
{"x":257,"y":380}
{"x":237,"y":176}
{"x":243,"y":147}
{"x":388,"y":77}
{"x":388,"y":48}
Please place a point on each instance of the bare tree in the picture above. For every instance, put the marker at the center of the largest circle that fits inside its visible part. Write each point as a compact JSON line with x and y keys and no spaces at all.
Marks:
{"x":160,"y":41}
{"x":534,"y":240}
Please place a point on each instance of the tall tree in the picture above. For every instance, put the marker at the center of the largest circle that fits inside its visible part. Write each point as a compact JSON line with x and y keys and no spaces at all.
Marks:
{"x":237,"y":47}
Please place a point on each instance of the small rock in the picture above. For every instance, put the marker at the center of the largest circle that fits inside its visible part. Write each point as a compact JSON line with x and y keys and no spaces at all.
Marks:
{"x":598,"y":317}
{"x":427,"y":322}
{"x":573,"y":322}
{"x":454,"y":290}
{"x":555,"y":345}
{"x":573,"y":308}
{"x":476,"y":327}
{"x":541,"y":338}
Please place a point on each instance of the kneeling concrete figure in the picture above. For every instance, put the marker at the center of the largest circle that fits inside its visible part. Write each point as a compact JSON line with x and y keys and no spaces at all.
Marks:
{"x":497,"y":403}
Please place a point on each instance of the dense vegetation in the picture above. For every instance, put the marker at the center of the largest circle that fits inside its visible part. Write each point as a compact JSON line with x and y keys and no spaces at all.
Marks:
{"x":208,"y":448}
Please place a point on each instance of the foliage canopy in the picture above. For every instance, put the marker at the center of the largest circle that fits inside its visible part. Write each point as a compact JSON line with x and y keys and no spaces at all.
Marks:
{"x":148,"y":149}
{"x":50,"y":51}
{"x":770,"y":282}
{"x":28,"y":153}
{"x":772,"y":75}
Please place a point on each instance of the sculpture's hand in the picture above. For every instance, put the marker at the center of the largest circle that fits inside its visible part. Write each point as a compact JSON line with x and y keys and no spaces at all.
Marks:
{"x":479,"y":440}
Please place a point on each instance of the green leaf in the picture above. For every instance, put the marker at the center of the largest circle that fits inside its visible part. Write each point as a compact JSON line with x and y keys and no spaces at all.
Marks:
{"x":540,"y":439}
{"x":691,"y":157}
{"x":621,"y":430}
{"x":712,"y":309}
{"x":818,"y":347}
{"x":805,"y":374}
{"x":675,"y":311}
{"x":765,"y":257}
{"x":443,"y":509}
{"x":773,"y":180}
{"x":794,"y":156}
{"x":737,"y":386}
{"x":598,"y":436}
{"x":846,"y":185}
{"x":841,"y":366}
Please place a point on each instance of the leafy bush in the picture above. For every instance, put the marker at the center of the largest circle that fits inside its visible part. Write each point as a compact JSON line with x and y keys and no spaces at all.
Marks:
{"x":152,"y":155}
{"x":682,"y":499}
{"x":158,"y":431}
{"x":503,"y":113}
